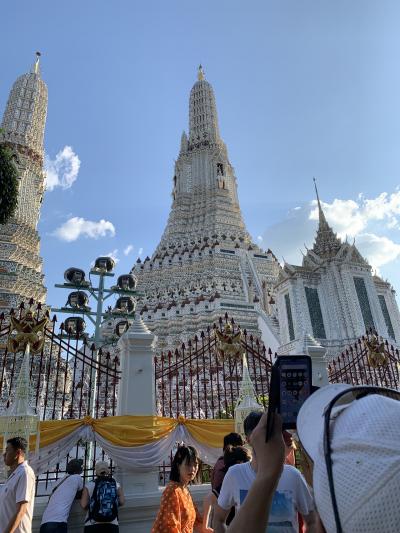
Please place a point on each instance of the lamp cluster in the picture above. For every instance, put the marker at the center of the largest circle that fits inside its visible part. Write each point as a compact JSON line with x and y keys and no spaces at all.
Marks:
{"x":78,"y":301}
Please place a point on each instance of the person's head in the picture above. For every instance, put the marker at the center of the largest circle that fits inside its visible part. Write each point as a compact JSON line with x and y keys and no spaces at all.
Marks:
{"x":355,"y":453}
{"x":74,"y":466}
{"x":102,"y":469}
{"x":251,"y":421}
{"x":15,"y":451}
{"x":233,"y":439}
{"x":234,"y":455}
{"x":290,"y":447}
{"x":184,"y":464}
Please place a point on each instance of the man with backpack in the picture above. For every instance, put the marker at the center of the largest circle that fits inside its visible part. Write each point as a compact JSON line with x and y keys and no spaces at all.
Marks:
{"x":102,"y":498}
{"x":55,"y":516}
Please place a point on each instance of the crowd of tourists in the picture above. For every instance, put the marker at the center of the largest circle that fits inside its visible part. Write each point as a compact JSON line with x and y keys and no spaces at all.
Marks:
{"x":100,"y":498}
{"x":349,"y":453}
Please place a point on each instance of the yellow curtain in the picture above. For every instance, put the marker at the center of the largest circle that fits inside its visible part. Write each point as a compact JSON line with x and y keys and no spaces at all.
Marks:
{"x":210,"y":432}
{"x":133,"y":430}
{"x":51,"y":431}
{"x":129,"y":431}
{"x":54,"y":430}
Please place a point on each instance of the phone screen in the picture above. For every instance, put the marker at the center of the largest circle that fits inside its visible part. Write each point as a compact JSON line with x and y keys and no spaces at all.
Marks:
{"x":295,"y":388}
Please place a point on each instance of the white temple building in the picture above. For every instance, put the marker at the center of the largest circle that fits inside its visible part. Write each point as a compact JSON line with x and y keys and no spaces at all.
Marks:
{"x":206,"y":263}
{"x":333,"y":296}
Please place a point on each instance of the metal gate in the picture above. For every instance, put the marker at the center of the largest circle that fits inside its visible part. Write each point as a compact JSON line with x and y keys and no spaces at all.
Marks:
{"x":62,"y":378}
{"x":196,"y":381}
{"x":371,"y":360}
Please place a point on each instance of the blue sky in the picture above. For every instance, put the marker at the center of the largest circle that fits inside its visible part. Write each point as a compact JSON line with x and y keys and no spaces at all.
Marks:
{"x":303,"y":89}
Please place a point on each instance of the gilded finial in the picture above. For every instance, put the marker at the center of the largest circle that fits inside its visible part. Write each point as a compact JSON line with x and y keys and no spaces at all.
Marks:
{"x":200,"y":74}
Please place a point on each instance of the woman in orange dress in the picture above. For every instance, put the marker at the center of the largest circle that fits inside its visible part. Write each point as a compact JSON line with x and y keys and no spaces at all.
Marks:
{"x":177,"y":513}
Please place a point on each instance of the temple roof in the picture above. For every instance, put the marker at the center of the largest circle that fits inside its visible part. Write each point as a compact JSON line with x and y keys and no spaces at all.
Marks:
{"x":327,"y":243}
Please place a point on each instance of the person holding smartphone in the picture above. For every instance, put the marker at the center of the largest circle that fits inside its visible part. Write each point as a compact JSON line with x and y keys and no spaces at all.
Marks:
{"x":292,"y":495}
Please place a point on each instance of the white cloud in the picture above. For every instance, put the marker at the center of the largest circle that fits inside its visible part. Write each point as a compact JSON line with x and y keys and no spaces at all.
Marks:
{"x":373,"y":222}
{"x":378,"y":250}
{"x":345,"y":216}
{"x":128,"y":249}
{"x":113,"y":255}
{"x":140,"y":251}
{"x":76,"y":227}
{"x":259,"y":238}
{"x":63,"y":170}
{"x":349,"y":217}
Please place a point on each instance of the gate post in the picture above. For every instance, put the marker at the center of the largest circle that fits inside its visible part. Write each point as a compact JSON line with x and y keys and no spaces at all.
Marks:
{"x":137,"y":395}
{"x":317,"y":353}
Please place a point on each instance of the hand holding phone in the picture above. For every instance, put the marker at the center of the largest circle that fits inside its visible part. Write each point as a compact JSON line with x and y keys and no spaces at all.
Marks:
{"x":290,"y":386}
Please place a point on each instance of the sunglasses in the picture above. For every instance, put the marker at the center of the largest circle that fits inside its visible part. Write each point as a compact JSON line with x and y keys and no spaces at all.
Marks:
{"x":343,"y":399}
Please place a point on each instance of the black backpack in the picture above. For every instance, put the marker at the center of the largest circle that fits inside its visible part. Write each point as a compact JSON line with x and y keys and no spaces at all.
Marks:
{"x":103,"y":505}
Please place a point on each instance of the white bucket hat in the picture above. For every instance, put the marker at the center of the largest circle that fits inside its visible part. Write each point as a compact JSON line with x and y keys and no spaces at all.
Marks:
{"x":102,"y":467}
{"x":365,"y":441}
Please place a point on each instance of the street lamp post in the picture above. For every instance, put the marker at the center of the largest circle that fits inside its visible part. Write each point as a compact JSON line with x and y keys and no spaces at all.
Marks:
{"x":77,"y":304}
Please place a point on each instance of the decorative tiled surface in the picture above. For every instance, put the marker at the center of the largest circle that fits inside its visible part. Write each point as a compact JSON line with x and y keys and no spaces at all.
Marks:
{"x":363,"y":300}
{"x":314,"y":309}
{"x":289,"y":317}
{"x":386,"y":316}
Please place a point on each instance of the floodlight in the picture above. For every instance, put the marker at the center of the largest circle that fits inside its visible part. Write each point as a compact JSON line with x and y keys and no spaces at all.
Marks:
{"x":75,"y":325}
{"x":76,"y":276}
{"x":127,"y":282}
{"x":104,"y":264}
{"x":78,"y":300}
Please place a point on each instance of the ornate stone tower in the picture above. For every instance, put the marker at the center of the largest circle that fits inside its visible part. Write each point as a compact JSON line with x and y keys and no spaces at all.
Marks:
{"x":23,"y":130}
{"x":206,"y":263}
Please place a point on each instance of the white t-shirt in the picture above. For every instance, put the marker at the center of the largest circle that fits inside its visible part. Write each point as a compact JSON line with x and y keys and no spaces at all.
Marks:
{"x":292,"y":495}
{"x":61,"y":500}
{"x":19,"y":487}
{"x":90,"y":488}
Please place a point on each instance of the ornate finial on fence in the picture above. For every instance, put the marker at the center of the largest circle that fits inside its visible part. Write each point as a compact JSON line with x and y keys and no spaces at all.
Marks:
{"x":29,"y":330}
{"x":229,"y":342}
{"x":376,"y":352}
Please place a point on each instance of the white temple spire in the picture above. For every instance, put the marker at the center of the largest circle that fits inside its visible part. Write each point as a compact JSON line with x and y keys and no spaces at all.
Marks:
{"x":23,"y":126}
{"x":321,"y":214}
{"x":203,"y":119}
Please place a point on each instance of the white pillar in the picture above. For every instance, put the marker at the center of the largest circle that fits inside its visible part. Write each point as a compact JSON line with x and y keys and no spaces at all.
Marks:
{"x":137,"y":395}
{"x":317,"y":353}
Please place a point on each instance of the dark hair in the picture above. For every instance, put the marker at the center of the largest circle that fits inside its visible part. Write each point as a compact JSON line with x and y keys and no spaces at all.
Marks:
{"x":236,"y":454}
{"x":18,"y":443}
{"x":184,"y":453}
{"x":251,"y":421}
{"x":74,"y":466}
{"x":233,"y":439}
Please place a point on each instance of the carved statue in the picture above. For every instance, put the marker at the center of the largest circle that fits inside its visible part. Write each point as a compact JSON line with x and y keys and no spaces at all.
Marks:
{"x":229,"y":343}
{"x":376,"y":353}
{"x":29,"y":330}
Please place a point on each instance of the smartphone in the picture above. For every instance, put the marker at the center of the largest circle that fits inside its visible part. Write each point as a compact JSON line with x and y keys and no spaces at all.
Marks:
{"x":290,"y":386}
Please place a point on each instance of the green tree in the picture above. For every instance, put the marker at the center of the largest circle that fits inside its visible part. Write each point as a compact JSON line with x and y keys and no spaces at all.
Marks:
{"x":8,"y":184}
